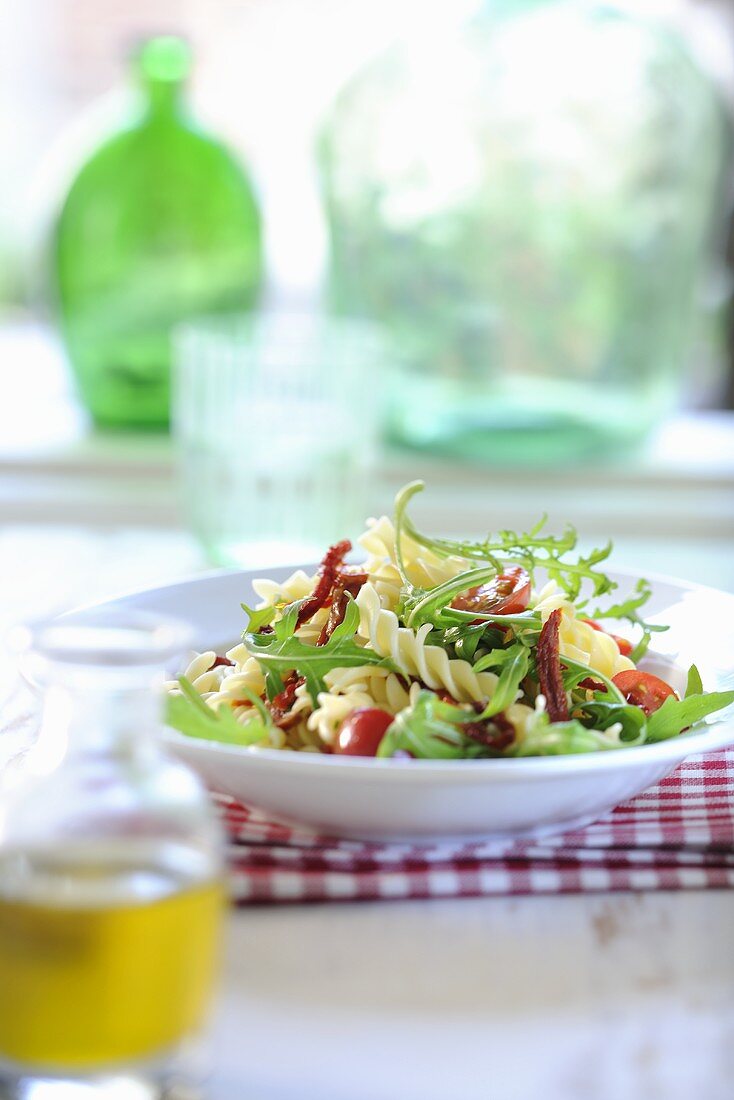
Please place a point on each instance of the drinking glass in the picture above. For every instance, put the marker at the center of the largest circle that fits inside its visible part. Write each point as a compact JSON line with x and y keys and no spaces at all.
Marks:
{"x":276,"y":418}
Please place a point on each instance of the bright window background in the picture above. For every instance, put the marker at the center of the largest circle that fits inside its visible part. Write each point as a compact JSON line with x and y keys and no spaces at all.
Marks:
{"x":266,"y":71}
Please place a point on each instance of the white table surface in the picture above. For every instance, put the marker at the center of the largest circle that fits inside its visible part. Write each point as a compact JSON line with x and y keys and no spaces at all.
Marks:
{"x":595,"y":998}
{"x":617,"y":997}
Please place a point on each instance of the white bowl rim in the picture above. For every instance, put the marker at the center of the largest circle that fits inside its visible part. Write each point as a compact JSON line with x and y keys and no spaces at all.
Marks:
{"x":227,"y":571}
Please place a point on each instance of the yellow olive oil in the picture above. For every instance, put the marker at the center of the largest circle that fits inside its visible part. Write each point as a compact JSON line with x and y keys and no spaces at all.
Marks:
{"x":85,"y":985}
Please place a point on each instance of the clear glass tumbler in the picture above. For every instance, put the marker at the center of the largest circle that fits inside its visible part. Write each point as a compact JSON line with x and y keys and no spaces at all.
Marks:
{"x":276,"y":419}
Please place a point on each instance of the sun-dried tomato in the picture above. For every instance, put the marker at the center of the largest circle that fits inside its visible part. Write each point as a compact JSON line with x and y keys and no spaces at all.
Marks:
{"x":590,"y":684}
{"x":496,"y":733}
{"x":352,"y":582}
{"x":337,"y":611}
{"x":347,"y":584}
{"x":327,"y":576}
{"x":284,"y":699}
{"x":281,"y":706}
{"x":286,"y":721}
{"x":549,"y":669}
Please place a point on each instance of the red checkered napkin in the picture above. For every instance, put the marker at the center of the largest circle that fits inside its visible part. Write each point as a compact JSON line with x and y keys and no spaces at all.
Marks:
{"x":677,"y":835}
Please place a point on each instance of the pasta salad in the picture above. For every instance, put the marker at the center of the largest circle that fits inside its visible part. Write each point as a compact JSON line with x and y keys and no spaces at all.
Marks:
{"x":435,"y":648}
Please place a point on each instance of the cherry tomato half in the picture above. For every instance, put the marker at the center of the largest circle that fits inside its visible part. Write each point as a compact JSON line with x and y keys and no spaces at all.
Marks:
{"x":361,"y":732}
{"x":507,"y":594}
{"x":644,"y":690}
{"x":623,"y":645}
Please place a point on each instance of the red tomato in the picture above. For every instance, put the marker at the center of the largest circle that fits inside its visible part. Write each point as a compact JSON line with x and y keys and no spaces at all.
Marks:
{"x":644,"y":690}
{"x":507,"y":594}
{"x":623,"y":645}
{"x":361,"y":732}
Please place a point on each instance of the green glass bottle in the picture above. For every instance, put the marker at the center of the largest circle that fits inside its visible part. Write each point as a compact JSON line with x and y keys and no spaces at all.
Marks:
{"x":161,"y":224}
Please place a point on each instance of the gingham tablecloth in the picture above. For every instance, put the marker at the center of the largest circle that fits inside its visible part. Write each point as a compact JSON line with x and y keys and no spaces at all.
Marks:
{"x":677,"y":835}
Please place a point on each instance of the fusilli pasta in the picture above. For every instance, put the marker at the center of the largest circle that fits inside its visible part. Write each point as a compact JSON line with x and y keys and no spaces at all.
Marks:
{"x":424,"y":568}
{"x":577,"y":639}
{"x":352,"y":689}
{"x":407,"y":648}
{"x":201,"y":675}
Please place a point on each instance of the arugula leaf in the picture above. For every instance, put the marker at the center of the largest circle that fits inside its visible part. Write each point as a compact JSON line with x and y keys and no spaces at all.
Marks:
{"x":465,"y":638}
{"x":431,"y":730}
{"x":628,"y":609}
{"x":189,"y":714}
{"x":694,"y":685}
{"x":570,"y":575}
{"x":282,"y":651}
{"x":676,"y":715}
{"x":639,"y":650}
{"x":545,"y":738}
{"x":508,"y":685}
{"x":532,"y":550}
{"x":432,"y":606}
{"x":527,"y":621}
{"x":427,"y":607}
{"x":467,"y":642}
{"x":401,"y":503}
{"x":257,"y":618}
{"x":575,"y":671}
{"x":496,"y":658}
{"x":631,"y":719}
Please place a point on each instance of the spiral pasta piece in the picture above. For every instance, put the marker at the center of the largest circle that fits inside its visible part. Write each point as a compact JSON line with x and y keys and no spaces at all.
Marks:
{"x":594,"y":648}
{"x":407,"y":648}
{"x":274,"y":738}
{"x":248,"y":675}
{"x":548,"y":599}
{"x":296,"y":587}
{"x":222,"y":687}
{"x":352,"y":689}
{"x":424,"y":568}
{"x":385,"y":688}
{"x":333,"y":709}
{"x":579,"y":641}
{"x":200,"y":674}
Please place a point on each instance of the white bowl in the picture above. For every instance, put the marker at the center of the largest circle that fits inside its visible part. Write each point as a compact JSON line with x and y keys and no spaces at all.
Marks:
{"x":395,"y":799}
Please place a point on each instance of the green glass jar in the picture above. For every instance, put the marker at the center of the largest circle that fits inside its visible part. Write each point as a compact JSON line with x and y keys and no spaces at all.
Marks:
{"x":160,"y":225}
{"x":523,"y":199}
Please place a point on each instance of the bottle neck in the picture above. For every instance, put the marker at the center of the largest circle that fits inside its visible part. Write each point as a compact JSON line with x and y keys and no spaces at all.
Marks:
{"x":162,"y":68}
{"x":163,"y":100}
